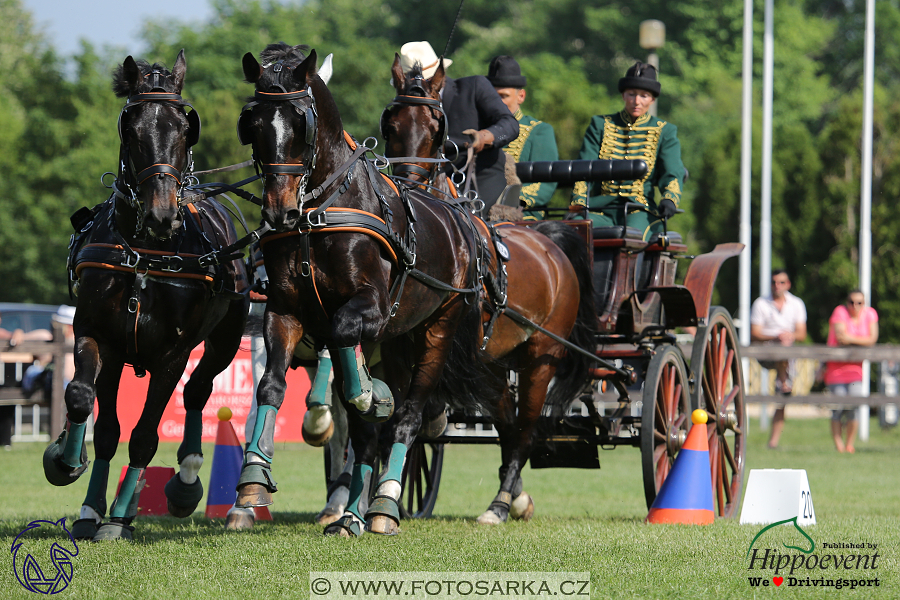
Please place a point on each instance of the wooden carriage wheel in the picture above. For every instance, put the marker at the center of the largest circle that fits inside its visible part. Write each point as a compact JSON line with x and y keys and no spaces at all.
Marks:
{"x":421,"y":480}
{"x":665,"y":417}
{"x":719,"y":390}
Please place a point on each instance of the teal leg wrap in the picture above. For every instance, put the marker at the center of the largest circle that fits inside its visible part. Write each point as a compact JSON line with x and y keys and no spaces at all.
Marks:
{"x":358,"y":501}
{"x":318,"y":394}
{"x":397,"y":459}
{"x":74,"y":441}
{"x":263,"y":441}
{"x":357,"y":381}
{"x":96,"y":492}
{"x":125,"y":505}
{"x":193,"y":432}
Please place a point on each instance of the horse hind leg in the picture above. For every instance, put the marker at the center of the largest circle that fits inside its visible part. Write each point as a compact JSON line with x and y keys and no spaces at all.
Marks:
{"x":339,"y":470}
{"x":318,"y":422}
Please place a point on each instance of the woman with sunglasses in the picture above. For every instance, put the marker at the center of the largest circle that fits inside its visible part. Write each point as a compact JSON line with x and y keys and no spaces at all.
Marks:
{"x":851,"y":324}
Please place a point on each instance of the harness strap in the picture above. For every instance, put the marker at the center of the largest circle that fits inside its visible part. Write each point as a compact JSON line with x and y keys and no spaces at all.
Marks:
{"x":159,"y":169}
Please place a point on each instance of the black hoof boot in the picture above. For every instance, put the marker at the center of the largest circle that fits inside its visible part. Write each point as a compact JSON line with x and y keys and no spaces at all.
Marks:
{"x":382,"y":407}
{"x":182,"y":498}
{"x":57,"y":472}
{"x":116,"y":529}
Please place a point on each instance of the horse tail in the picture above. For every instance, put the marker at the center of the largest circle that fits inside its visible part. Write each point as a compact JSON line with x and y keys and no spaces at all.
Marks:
{"x":573,"y":369}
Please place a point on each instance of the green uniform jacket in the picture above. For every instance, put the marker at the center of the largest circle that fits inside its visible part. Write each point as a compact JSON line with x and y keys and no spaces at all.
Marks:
{"x":536,"y":141}
{"x":650,"y":139}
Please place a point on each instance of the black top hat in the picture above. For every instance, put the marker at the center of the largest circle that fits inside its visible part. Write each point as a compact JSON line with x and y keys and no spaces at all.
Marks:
{"x":504,"y":72}
{"x":640,"y":77}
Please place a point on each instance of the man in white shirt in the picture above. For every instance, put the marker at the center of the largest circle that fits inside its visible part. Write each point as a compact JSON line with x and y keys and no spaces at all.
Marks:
{"x":778,"y":319}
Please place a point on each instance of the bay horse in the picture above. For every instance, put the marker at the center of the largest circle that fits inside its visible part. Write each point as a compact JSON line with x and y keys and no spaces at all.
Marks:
{"x":356,"y":259}
{"x":155,"y":275}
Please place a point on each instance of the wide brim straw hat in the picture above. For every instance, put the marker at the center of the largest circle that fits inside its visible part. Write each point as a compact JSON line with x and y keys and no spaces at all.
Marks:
{"x":422,"y":53}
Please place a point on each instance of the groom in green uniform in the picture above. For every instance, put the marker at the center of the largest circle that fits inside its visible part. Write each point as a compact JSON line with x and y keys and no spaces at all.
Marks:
{"x":631,"y":134}
{"x":536,"y":140}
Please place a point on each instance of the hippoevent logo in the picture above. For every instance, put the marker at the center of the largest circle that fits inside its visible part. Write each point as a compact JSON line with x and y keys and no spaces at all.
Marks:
{"x":835,"y":565}
{"x":32,"y":548}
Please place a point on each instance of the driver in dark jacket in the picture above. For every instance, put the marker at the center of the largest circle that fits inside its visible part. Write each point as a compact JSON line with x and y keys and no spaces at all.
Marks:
{"x":476,"y":117}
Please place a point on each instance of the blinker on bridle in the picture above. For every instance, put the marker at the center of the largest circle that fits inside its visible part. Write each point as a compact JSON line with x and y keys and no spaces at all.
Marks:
{"x":308,"y":112}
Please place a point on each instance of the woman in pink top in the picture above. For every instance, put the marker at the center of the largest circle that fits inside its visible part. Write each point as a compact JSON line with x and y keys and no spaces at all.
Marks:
{"x":851,"y":324}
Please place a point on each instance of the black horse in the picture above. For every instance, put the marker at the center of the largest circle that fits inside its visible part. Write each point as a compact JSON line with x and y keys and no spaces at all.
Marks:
{"x":355,"y":259}
{"x":155,"y":276}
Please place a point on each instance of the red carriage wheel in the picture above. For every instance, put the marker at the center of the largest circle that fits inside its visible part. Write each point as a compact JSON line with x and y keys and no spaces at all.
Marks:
{"x":719,"y":390}
{"x":665,"y":417}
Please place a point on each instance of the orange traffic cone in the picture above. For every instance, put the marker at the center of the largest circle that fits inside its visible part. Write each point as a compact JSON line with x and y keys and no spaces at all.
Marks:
{"x":686,"y":494}
{"x":226,"y":471}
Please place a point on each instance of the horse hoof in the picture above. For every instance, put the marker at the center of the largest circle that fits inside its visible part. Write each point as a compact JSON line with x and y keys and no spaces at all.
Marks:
{"x":317,"y":439}
{"x":55,"y":470}
{"x":489,"y":517}
{"x":114,"y":531}
{"x":182,"y":498}
{"x":434,"y":428}
{"x":253,"y":494}
{"x":240,"y":520}
{"x":347,"y":527}
{"x":328,"y":516}
{"x":522,"y":507}
{"x":84,"y":529}
{"x":383,"y":525}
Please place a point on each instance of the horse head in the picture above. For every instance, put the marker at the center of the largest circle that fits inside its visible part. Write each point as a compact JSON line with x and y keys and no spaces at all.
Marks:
{"x":293,"y":126}
{"x":414,"y":124}
{"x":156,"y":133}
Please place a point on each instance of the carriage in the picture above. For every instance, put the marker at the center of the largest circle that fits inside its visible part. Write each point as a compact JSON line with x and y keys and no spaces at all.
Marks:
{"x":650,"y":383}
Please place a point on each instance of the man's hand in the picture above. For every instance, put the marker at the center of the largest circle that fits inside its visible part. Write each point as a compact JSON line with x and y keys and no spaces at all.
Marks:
{"x":666,"y":209}
{"x":479,"y":139}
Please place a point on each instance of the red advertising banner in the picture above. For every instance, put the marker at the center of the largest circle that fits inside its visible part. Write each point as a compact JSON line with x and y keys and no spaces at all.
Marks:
{"x":232,"y":388}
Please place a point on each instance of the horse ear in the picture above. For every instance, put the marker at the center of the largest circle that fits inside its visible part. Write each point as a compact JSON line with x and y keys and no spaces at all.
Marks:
{"x":326,"y":70}
{"x":178,"y":71}
{"x":306,"y":70}
{"x":252,"y":68}
{"x":437,"y":80}
{"x":398,"y":78}
{"x":133,"y":76}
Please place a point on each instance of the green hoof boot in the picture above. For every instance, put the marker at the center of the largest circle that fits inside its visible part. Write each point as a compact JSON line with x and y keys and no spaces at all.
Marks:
{"x":346,"y":526}
{"x":114,"y":530}
{"x":182,"y":498}
{"x":55,"y":470}
{"x":383,"y":516}
{"x":84,"y":529}
{"x":382,"y":407}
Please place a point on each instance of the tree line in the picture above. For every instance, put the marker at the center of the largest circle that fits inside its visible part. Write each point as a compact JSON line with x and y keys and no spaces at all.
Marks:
{"x":58,"y":114}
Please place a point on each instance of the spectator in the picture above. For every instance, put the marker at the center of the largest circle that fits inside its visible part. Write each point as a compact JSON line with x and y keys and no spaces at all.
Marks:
{"x":851,"y":324}
{"x":778,"y":319}
{"x":536,"y":141}
{"x":476,"y":117}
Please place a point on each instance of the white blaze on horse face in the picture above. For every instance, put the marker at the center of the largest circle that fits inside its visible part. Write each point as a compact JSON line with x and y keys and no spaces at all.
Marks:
{"x":283,"y":130}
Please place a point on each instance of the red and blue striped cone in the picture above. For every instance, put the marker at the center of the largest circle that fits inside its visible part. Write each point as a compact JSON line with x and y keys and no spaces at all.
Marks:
{"x":228,"y":458}
{"x":686,"y":494}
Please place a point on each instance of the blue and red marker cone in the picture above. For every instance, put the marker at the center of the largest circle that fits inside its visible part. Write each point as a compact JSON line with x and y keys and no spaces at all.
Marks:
{"x":686,"y":494}
{"x":228,"y":458}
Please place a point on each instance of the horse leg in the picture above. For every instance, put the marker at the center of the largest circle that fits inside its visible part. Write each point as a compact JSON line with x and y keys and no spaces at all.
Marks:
{"x":370,"y":396}
{"x":339,"y":469}
{"x":364,"y":440}
{"x":318,"y":424}
{"x":516,"y":424}
{"x":66,"y":459}
{"x":184,"y":490}
{"x":106,"y":441}
{"x":141,"y":450}
{"x":256,"y":485}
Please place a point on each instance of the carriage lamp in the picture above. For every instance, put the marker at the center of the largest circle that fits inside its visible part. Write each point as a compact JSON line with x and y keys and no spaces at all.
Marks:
{"x":652,"y":36}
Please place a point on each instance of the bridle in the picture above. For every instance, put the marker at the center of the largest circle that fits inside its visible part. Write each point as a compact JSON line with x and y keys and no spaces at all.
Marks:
{"x":308,"y":111}
{"x":406,"y":165}
{"x":128,"y":182}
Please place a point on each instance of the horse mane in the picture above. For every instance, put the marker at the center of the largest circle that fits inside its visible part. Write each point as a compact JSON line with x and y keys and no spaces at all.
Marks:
{"x":293,"y":55}
{"x":120,"y":85}
{"x":415,"y":71}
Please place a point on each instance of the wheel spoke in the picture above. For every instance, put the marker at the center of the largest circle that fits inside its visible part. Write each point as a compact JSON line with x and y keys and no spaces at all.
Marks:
{"x":730,"y":456}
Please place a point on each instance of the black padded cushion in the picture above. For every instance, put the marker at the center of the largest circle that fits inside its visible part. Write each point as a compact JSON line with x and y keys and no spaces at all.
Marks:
{"x":617,"y":232}
{"x":674,"y":238}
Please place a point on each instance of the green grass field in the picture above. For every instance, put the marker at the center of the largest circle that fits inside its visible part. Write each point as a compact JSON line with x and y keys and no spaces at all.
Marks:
{"x":585,"y":521}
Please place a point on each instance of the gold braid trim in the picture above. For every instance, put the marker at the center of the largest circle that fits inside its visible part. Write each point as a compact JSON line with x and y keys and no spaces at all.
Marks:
{"x":641,"y":144}
{"x":515,"y":147}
